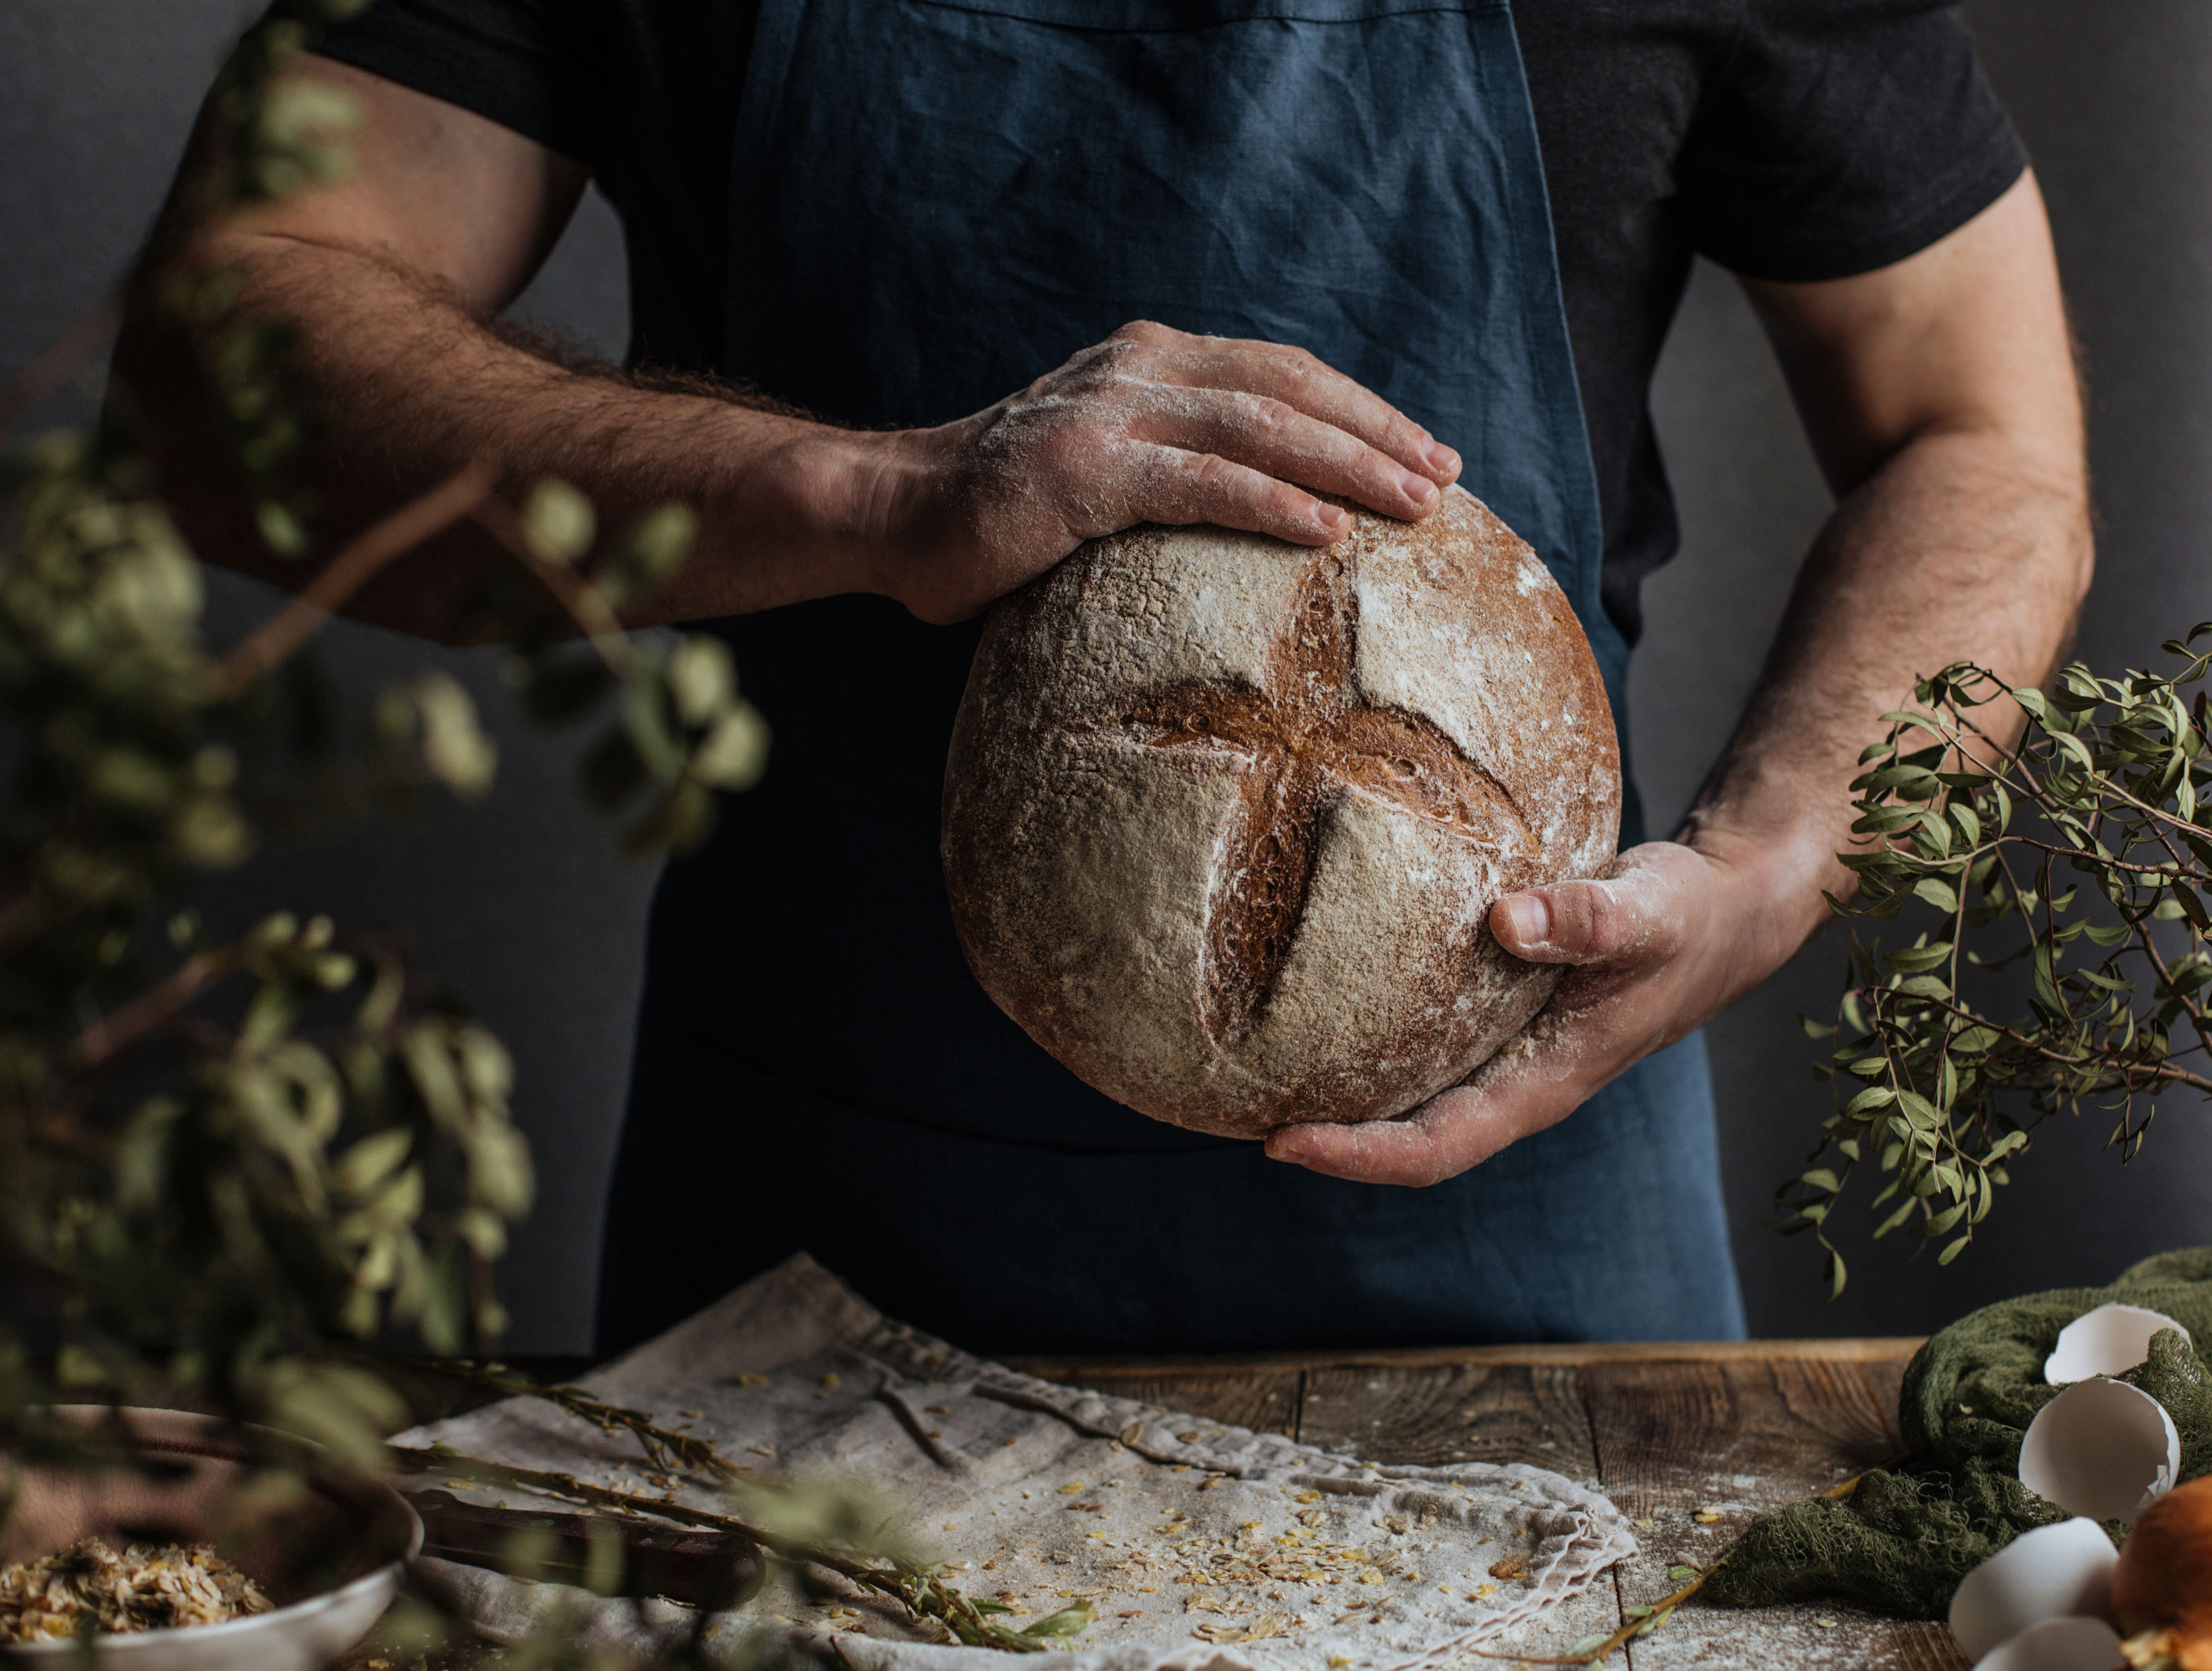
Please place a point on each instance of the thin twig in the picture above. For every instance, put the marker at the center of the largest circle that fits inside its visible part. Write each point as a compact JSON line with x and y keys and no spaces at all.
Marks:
{"x":279,"y":637}
{"x":1652,"y":1620}
{"x":920,"y":1593}
{"x":661,"y":1445}
{"x":575,"y":595}
{"x":128,"y":1023}
{"x":28,"y":389}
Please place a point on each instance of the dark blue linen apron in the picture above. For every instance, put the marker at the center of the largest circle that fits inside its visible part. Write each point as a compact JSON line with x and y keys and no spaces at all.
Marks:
{"x":933,"y":203}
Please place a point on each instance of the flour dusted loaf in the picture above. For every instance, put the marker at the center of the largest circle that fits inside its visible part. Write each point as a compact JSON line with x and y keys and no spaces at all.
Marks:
{"x":1224,"y":816}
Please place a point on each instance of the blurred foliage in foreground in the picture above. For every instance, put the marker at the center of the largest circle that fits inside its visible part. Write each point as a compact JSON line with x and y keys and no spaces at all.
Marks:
{"x":232,"y":1169}
{"x":2080,"y":859}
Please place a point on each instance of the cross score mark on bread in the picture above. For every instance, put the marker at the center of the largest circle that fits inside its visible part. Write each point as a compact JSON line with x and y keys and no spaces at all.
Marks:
{"x":1308,"y":736}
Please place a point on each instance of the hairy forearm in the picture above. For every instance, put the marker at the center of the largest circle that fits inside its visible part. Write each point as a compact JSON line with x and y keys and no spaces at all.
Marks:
{"x":409,"y":385}
{"x":1966,"y":545}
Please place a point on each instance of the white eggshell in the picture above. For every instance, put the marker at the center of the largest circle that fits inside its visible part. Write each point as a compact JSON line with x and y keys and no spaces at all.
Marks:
{"x":2109,"y":1340}
{"x":2101,"y":1449}
{"x":2058,"y":1644}
{"x":2048,"y":1573}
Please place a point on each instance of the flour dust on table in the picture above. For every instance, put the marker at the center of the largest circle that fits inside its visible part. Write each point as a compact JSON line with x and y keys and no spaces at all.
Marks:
{"x":1195,"y":1543}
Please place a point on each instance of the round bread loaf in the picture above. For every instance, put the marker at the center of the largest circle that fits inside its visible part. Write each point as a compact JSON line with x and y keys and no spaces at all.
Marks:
{"x":1224,"y":816}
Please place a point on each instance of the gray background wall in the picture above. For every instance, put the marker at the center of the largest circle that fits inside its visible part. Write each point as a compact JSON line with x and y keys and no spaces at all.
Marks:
{"x":524,"y":905}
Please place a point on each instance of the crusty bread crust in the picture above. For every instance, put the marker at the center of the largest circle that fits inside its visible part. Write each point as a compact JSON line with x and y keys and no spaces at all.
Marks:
{"x":1224,"y":816}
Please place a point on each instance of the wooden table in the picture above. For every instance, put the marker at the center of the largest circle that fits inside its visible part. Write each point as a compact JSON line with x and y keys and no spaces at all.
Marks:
{"x":1691,"y":1441}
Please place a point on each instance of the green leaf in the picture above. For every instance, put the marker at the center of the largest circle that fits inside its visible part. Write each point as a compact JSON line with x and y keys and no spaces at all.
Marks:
{"x":679,"y":822}
{"x":1680,"y":1574}
{"x":1913,"y":959}
{"x":1873,"y":1097}
{"x":1942,"y":1221}
{"x":1918,"y":1110}
{"x":1936,"y":893}
{"x":560,"y":519}
{"x":1897,"y":1218}
{"x":654,"y":551}
{"x":1068,"y":1622}
{"x":455,"y":748}
{"x":702,"y":679}
{"x":2192,"y":906}
{"x":735,"y":752}
{"x":1952,"y":1251}
{"x":371,"y":1160}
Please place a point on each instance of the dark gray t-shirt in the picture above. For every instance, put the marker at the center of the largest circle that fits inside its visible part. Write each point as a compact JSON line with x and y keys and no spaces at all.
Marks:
{"x":1785,"y":139}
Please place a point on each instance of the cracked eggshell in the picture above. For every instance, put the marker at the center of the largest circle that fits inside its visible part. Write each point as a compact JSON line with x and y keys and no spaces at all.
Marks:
{"x":2101,"y":1449}
{"x":2051,"y":1573}
{"x":2058,"y":1644}
{"x":2109,"y":1340}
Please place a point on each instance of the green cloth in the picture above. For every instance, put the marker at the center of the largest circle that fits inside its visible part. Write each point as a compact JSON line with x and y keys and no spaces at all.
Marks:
{"x":1904,"y":1537}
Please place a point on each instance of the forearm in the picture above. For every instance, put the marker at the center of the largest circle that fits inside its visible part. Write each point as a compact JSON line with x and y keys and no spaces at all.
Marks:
{"x":409,"y":385}
{"x":1966,"y":545}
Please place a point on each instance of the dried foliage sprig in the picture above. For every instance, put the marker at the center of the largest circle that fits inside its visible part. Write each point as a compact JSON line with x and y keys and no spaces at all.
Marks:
{"x":666,"y":1448}
{"x":912,"y":1584}
{"x":2068,"y":955}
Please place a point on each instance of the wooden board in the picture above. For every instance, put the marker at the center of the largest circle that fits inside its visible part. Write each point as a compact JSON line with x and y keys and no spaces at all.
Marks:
{"x":1673,"y":1433}
{"x":1470,"y":1412}
{"x":1267,"y":1402}
{"x":1692,"y":1453}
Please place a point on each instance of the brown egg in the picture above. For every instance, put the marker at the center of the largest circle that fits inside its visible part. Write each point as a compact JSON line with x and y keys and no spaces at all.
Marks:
{"x":2164,"y":1579}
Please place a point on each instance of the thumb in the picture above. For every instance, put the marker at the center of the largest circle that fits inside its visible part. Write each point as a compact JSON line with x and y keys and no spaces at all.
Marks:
{"x":1585,"y":922}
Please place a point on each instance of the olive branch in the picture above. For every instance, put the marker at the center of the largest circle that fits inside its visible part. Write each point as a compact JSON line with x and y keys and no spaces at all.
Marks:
{"x":2074,"y":863}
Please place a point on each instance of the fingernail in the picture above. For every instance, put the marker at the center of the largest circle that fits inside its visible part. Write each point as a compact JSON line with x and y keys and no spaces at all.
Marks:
{"x":1421,"y":490}
{"x":1530,"y":916}
{"x":1442,"y":459}
{"x":1333,"y":520}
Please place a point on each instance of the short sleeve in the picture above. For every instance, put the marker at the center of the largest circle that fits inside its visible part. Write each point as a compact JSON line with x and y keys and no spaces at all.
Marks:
{"x":522,"y":64}
{"x":1841,"y":136}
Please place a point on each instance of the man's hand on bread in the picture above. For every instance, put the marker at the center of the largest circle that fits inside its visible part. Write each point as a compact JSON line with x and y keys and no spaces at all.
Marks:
{"x":1152,"y":425}
{"x":1668,"y":938}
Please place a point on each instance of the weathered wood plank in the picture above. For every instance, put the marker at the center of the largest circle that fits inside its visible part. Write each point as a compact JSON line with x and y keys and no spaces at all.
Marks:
{"x":1693,"y":1452}
{"x":1266,"y":1402}
{"x":1875,"y":1349}
{"x":1459,"y":1413}
{"x":1468,"y":1413}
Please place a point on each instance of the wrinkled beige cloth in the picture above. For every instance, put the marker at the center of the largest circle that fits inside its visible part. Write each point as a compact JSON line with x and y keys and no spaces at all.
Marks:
{"x":1197,"y":1545}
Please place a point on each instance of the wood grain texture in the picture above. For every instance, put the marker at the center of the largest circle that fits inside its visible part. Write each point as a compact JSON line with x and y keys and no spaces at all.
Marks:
{"x":1692,"y":1452}
{"x":1267,"y":1402}
{"x":1468,"y":1413}
{"x":1462,"y":1413}
{"x":1877,"y":1350}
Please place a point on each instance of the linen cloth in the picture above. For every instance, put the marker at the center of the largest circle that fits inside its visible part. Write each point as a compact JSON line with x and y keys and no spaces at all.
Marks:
{"x":1197,"y":1544}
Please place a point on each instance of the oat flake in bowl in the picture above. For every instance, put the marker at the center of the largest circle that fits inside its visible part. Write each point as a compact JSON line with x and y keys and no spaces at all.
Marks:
{"x":143,"y":1588}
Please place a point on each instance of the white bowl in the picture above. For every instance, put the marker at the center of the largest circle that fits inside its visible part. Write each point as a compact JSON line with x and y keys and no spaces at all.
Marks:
{"x":360,"y":1524}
